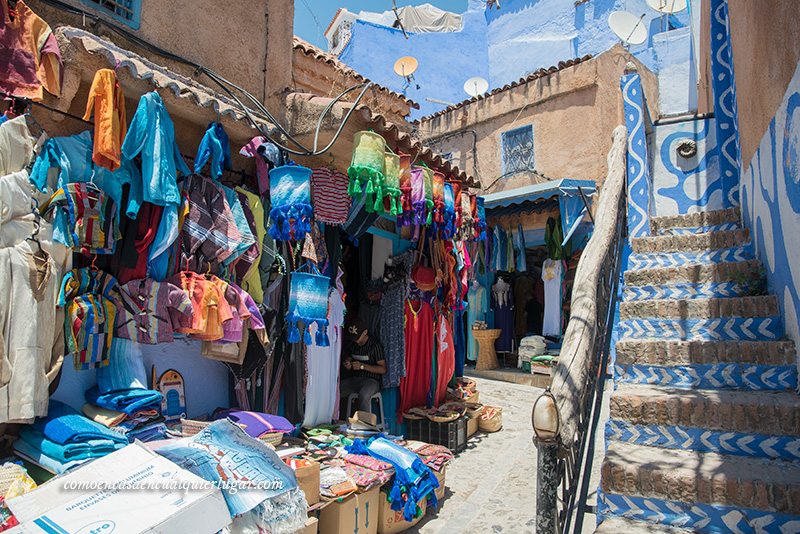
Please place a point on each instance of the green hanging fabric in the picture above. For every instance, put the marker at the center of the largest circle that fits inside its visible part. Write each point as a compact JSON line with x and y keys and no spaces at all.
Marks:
{"x":553,"y":236}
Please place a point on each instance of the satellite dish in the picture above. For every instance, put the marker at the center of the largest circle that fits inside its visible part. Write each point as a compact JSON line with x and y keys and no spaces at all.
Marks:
{"x":476,"y":86}
{"x":405,"y":66}
{"x":668,"y":7}
{"x":628,"y":27}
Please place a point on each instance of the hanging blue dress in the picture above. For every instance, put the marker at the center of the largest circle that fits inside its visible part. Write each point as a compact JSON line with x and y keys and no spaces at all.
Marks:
{"x":476,"y":311}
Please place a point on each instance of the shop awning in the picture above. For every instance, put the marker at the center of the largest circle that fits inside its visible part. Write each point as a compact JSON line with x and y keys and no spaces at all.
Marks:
{"x":570,"y":202}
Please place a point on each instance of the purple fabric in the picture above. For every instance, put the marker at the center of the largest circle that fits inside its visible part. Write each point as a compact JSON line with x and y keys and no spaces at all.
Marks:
{"x":256,"y":424}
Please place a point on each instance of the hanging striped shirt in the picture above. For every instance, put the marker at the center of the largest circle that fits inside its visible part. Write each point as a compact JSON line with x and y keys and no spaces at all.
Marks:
{"x":330,"y":198}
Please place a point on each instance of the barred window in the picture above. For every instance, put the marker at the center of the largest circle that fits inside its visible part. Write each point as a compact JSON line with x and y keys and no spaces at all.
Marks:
{"x":517,"y":150}
{"x":126,"y":11}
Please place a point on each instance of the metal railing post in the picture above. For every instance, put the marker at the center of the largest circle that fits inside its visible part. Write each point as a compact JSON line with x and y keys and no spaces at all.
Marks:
{"x":547,"y":481}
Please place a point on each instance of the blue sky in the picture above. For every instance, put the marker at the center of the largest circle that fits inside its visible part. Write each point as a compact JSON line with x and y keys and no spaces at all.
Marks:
{"x":306,"y":28}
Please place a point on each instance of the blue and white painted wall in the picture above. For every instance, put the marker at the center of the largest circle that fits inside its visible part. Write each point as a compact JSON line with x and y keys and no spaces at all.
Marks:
{"x":685,"y":185}
{"x":507,"y":44}
{"x":770,"y":196}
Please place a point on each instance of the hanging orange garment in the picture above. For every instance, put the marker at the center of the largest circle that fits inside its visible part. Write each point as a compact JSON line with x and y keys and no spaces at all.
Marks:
{"x":108,"y":102}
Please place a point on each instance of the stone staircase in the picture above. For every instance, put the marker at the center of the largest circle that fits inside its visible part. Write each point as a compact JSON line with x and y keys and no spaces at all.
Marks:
{"x":704,"y":429}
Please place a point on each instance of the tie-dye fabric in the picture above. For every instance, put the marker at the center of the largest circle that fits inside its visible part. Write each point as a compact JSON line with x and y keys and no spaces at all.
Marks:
{"x":308,"y":303}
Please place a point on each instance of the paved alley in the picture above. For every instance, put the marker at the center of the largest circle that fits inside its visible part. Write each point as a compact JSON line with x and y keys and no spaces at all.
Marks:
{"x":491,"y":486}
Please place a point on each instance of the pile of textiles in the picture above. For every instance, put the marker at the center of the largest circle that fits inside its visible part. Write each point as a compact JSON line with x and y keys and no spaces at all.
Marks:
{"x":434,"y":456}
{"x":223,"y":452}
{"x":366,"y":471}
{"x":413,"y":480}
{"x":65,"y":438}
{"x":332,"y":476}
{"x":256,"y":424}
{"x":145,"y":425}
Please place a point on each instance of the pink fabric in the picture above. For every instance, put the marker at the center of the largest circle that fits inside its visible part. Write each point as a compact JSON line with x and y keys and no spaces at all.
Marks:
{"x":262,"y":169}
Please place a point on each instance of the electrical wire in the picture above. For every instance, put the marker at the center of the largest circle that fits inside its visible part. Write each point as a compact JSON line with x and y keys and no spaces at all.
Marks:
{"x":226,"y":86}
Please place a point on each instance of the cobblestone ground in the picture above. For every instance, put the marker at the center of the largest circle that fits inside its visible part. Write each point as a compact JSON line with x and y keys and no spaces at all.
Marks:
{"x":491,"y":486}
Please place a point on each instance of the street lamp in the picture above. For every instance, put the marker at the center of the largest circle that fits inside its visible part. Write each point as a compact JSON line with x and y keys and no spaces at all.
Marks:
{"x":546,"y":423}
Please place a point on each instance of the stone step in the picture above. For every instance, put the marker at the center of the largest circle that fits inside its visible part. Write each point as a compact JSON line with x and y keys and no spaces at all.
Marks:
{"x":699,"y":229}
{"x":617,"y":525}
{"x":746,"y":273}
{"x":709,"y":308}
{"x":720,"y":329}
{"x":693,"y":477}
{"x":695,"y":220}
{"x":744,"y":412}
{"x":694,"y":242}
{"x":654,"y":260}
{"x":684,"y":291}
{"x":700,"y":439}
{"x":698,"y":352}
{"x":715,"y":376}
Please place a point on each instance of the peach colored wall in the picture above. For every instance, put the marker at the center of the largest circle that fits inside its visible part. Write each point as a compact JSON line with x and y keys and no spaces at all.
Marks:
{"x":765,"y":39}
{"x":573,"y":112}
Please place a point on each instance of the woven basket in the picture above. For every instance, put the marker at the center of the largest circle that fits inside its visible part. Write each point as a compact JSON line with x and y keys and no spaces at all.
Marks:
{"x":452,"y":416}
{"x":491,"y":420}
{"x":474,"y":409}
{"x":190,"y":427}
{"x":468,"y":383}
{"x":272,"y":438}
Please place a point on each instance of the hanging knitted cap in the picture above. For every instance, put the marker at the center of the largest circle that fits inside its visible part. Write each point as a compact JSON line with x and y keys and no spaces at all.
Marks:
{"x":449,"y":212}
{"x":290,"y":193}
{"x":467,"y":226}
{"x":366,"y":167}
{"x":308,"y":303}
{"x":391,"y":183}
{"x":427,"y":176}
{"x":438,"y":201}
{"x":481,"y":218}
{"x":405,"y":182}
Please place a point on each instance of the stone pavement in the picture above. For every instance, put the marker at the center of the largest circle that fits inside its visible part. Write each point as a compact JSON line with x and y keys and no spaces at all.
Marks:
{"x":491,"y":486}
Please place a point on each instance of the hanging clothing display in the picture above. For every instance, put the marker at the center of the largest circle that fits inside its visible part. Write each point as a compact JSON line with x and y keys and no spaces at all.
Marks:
{"x":553,"y":236}
{"x":16,"y":145}
{"x":210,"y":309}
{"x":445,"y":358}
{"x":519,"y":250}
{"x":392,"y":329}
{"x":553,"y":277}
{"x":476,"y":311}
{"x":108,"y":103}
{"x":151,"y":322}
{"x":329,"y":193}
{"x":31,"y":338}
{"x":267,"y":156}
{"x":503,"y":305}
{"x":251,"y":279}
{"x":391,"y":184}
{"x":214,"y":147}
{"x":29,"y":55}
{"x":419,"y":355}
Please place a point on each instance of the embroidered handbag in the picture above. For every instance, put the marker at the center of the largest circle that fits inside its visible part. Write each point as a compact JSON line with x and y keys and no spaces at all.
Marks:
{"x":308,"y":302}
{"x":290,"y":193}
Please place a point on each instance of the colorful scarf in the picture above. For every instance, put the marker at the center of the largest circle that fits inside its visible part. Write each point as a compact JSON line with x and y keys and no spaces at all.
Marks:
{"x":427,"y":176}
{"x":467,"y":227}
{"x":457,"y":202}
{"x":405,"y":183}
{"x":449,"y":211}
{"x":481,"y":218}
{"x":438,"y":201}
{"x":290,"y":192}
{"x":391,"y":184}
{"x":308,"y":302}
{"x":366,"y":166}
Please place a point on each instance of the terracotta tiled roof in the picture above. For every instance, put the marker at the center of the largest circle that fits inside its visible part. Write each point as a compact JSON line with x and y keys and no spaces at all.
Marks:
{"x":334,"y":18}
{"x":311,"y":50}
{"x":541,"y":73}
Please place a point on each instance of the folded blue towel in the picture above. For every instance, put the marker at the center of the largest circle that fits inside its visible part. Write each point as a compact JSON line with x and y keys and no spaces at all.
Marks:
{"x":129,"y":401}
{"x":65,"y":425}
{"x":93,"y":448}
{"x":148,"y":432}
{"x":28,"y":451}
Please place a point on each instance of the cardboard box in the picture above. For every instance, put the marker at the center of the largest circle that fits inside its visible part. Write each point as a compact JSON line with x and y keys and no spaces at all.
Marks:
{"x":308,"y":480}
{"x":55,"y":507}
{"x":312,"y":526}
{"x":440,"y":477}
{"x":390,"y":521}
{"x":355,"y":513}
{"x":472,"y":425}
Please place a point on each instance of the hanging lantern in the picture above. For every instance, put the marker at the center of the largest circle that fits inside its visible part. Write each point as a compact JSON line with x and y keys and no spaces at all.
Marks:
{"x":308,"y":302}
{"x":290,"y":194}
{"x":366,"y":167}
{"x":467,"y":227}
{"x":391,"y":183}
{"x":427,"y":176}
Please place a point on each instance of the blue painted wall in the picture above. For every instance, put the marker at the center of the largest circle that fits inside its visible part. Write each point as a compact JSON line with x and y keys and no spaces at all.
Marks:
{"x":683,"y":185}
{"x":504,"y":45}
{"x":770,"y":196}
{"x":677,"y":79}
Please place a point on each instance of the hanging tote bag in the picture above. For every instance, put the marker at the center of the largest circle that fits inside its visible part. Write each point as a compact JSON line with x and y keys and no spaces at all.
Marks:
{"x":424,"y":278}
{"x":290,"y":193}
{"x":308,"y":302}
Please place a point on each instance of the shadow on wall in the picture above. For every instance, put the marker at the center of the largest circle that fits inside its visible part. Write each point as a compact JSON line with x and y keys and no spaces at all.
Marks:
{"x":770,"y":193}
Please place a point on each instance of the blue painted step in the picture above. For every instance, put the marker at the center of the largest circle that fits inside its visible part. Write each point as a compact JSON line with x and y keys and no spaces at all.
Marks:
{"x":701,"y":439}
{"x":729,"y":328}
{"x":655,"y":260}
{"x":684,"y":291}
{"x":712,"y":376}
